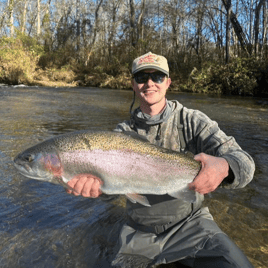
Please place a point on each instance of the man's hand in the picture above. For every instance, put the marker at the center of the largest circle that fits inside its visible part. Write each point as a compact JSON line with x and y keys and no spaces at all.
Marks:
{"x":213,"y":171}
{"x":86,"y":185}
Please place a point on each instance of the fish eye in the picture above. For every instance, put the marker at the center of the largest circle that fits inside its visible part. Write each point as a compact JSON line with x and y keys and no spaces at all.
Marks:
{"x":28,"y":157}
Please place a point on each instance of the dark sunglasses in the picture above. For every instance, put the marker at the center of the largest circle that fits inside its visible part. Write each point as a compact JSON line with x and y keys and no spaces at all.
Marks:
{"x":142,"y":78}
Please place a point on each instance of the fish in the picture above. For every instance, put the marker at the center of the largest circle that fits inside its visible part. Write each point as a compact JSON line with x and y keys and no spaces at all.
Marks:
{"x":125,"y":162}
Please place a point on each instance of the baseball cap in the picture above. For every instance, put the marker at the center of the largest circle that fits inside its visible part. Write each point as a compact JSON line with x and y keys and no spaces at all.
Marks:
{"x":150,"y":61}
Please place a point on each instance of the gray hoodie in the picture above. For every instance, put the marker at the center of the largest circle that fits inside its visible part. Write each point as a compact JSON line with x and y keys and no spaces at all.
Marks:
{"x":178,"y":128}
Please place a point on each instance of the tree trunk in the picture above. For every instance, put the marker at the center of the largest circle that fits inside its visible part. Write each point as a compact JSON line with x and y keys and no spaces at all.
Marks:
{"x":114,"y":10}
{"x":174,"y":17}
{"x":250,"y":23}
{"x":237,"y":27}
{"x":46,"y":27}
{"x":264,"y":29}
{"x":78,"y":27}
{"x":11,"y":18}
{"x":132,"y":23}
{"x":95,"y":31}
{"x":23,"y":23}
{"x":200,"y":16}
{"x":227,"y":44}
{"x":38,"y":30}
{"x":256,"y":26}
{"x":140,"y":21}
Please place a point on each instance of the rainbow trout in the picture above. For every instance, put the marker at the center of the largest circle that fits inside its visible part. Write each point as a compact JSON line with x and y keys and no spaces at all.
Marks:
{"x":125,"y":162}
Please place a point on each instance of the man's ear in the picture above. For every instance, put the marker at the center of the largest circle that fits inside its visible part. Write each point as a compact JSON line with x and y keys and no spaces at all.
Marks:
{"x":169,"y":81}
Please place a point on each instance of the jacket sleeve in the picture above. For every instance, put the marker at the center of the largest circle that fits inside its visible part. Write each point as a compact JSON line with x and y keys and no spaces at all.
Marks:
{"x":124,"y":126}
{"x":204,"y":135}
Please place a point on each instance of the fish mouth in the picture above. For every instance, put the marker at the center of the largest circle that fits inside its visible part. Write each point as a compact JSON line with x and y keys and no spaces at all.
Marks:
{"x":27,"y":172}
{"x":23,"y":169}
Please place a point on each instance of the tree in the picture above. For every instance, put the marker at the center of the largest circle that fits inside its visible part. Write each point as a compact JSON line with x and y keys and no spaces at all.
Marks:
{"x":11,"y":18}
{"x":136,"y":25}
{"x":38,"y":30}
{"x":257,"y":24}
{"x":237,"y":27}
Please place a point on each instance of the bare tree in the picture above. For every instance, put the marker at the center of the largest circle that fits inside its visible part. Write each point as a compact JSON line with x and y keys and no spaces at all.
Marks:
{"x":237,"y":27}
{"x":78,"y":25}
{"x":136,"y":26}
{"x":227,"y":38}
{"x":187,"y":32}
{"x":96,"y":30}
{"x":11,"y":18}
{"x":38,"y":29}
{"x":264,"y":27}
{"x":23,"y":23}
{"x":256,"y":25}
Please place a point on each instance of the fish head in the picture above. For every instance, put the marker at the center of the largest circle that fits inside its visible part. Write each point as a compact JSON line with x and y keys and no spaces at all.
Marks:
{"x":39,"y":163}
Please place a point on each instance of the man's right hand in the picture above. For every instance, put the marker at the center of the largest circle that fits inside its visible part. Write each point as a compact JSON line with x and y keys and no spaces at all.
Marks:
{"x":86,"y":185}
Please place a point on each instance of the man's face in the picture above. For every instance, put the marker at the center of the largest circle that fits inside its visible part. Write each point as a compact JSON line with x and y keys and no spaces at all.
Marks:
{"x":150,"y":92}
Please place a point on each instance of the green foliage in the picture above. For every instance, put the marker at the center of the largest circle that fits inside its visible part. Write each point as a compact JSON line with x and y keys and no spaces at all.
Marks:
{"x":239,"y":77}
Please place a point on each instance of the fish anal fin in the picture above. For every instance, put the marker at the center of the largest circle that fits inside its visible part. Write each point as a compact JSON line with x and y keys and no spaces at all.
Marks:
{"x":134,"y":198}
{"x":184,"y":194}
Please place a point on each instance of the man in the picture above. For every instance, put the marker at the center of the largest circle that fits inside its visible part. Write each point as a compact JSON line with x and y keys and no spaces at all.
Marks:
{"x":172,"y":229}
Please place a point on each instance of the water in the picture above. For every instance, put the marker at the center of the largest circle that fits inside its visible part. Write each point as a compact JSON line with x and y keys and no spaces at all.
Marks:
{"x":42,"y":226}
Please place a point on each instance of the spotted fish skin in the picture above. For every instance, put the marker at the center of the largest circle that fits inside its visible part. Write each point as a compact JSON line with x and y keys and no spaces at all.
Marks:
{"x":125,"y":162}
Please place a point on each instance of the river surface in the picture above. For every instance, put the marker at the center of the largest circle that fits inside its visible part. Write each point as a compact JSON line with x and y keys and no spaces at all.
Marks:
{"x":42,"y":226}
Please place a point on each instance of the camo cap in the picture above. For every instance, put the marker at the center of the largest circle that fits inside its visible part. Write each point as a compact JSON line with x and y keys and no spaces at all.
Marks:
{"x":150,"y":61}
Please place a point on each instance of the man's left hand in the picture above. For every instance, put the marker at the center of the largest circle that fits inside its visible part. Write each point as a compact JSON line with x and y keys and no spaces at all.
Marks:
{"x":213,"y":171}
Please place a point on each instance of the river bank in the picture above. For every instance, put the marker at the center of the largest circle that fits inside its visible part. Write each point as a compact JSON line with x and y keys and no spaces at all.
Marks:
{"x":210,"y":80}
{"x":24,"y":61}
{"x":69,"y":78}
{"x":197,"y":82}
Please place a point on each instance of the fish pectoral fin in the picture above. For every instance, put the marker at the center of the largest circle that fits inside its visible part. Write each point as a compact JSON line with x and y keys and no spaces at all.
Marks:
{"x":63,"y":182}
{"x":65,"y":178}
{"x":184,"y":194}
{"x":134,"y":198}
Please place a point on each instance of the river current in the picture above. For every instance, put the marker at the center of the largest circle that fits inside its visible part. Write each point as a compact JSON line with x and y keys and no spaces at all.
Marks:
{"x":42,"y":226}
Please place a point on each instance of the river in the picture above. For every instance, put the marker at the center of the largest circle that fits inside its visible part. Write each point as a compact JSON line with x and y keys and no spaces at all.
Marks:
{"x":42,"y":226}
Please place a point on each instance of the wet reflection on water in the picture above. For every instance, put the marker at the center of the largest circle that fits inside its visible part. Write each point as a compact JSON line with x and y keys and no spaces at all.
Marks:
{"x":42,"y":226}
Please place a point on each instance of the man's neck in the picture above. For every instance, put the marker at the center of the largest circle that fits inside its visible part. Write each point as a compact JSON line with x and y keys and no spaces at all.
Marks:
{"x":153,"y":109}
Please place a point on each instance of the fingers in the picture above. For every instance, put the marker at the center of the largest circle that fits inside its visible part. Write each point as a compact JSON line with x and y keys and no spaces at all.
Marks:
{"x":200,"y":157}
{"x":91,"y":188}
{"x":85,"y":185}
{"x":95,"y":189}
{"x":213,"y":171}
{"x":72,"y":183}
{"x":202,"y":185}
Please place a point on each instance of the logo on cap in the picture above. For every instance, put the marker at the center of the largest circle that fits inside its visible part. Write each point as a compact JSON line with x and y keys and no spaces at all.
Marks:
{"x":150,"y":60}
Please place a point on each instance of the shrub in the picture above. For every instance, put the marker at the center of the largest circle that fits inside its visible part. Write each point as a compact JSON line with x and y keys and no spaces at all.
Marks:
{"x":17,"y":63}
{"x":240,"y":77}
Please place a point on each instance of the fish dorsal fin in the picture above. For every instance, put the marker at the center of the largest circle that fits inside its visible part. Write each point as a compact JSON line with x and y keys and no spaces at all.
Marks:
{"x":134,"y":198}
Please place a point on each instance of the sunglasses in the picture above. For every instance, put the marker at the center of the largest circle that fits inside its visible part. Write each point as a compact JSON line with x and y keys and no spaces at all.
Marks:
{"x":142,"y":78}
